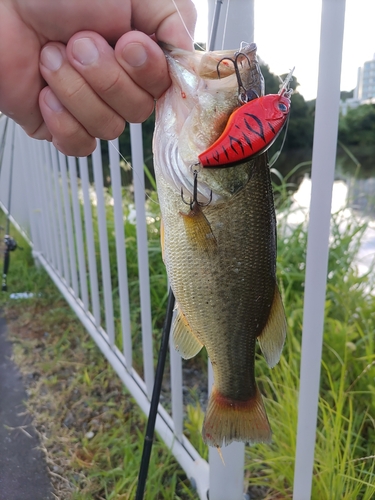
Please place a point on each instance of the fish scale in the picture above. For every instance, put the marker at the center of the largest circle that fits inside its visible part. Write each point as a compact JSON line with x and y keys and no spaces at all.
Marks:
{"x":221,"y":263}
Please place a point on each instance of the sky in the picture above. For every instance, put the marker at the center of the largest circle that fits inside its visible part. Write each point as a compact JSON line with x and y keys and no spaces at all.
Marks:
{"x":287,"y":34}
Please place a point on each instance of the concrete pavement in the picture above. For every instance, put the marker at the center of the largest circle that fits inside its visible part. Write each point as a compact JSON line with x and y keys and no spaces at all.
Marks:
{"x":23,"y":472}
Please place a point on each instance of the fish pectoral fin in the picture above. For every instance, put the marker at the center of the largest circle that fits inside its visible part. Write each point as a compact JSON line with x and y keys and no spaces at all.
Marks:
{"x":198,"y":230}
{"x":185,"y":341}
{"x":272,"y":338}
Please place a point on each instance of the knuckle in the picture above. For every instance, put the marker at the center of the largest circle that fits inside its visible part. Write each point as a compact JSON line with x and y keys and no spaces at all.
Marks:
{"x":112,"y":129}
{"x":109,"y":87}
{"x":83,"y":147}
{"x":140,"y":114}
{"x":75,"y":91}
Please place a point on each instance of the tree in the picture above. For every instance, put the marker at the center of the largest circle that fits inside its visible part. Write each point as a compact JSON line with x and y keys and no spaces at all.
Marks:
{"x":357,"y":127}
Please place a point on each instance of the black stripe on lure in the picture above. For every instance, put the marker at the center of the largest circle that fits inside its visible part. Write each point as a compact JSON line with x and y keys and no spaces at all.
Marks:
{"x":252,"y":128}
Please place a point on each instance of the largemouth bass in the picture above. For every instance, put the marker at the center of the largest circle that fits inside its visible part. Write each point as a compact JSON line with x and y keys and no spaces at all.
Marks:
{"x":220,"y":252}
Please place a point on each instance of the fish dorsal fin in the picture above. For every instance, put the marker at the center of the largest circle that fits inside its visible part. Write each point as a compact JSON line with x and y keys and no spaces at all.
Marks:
{"x":272,"y":338}
{"x":198,"y":230}
{"x":185,"y":341}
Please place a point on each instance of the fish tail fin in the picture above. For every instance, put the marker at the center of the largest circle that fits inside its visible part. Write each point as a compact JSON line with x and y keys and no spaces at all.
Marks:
{"x":230,"y":420}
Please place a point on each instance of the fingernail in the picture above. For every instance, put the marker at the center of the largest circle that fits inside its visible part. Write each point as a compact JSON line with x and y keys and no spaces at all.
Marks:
{"x":52,"y":102}
{"x":85,"y":51}
{"x":51,"y":58}
{"x":134,"y":54}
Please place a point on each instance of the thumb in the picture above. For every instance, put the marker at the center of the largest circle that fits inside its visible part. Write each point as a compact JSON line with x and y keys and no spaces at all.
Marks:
{"x":171,"y":21}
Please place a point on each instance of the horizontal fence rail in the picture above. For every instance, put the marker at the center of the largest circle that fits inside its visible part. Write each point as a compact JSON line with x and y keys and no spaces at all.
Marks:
{"x":58,"y":222}
{"x":59,"y":203}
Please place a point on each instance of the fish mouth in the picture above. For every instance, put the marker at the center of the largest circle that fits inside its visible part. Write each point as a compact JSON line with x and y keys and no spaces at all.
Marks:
{"x":193,"y":113}
{"x":215,"y":65}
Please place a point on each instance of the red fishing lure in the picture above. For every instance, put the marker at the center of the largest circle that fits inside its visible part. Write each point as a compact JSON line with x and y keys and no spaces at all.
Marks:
{"x":251,"y":129}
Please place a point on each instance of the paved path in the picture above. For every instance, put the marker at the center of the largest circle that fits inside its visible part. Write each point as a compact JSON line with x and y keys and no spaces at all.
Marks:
{"x":23,"y":473}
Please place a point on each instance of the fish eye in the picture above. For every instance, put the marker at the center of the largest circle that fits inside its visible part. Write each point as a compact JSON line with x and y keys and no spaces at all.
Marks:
{"x":282,"y":107}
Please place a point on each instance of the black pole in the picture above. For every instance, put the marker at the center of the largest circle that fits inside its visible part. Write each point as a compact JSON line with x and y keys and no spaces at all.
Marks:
{"x":10,"y":243}
{"x":149,"y":437}
{"x":2,"y":145}
{"x":215,"y":24}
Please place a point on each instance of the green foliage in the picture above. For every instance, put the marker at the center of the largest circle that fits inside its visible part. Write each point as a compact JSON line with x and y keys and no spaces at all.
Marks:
{"x":301,"y":122}
{"x":357,"y":127}
{"x":344,"y":459}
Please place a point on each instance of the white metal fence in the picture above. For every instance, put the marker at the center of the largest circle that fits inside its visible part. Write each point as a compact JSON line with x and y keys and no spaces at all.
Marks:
{"x":46,"y":207}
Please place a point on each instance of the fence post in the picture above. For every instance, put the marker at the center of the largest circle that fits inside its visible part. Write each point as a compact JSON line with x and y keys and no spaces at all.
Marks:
{"x":322,"y":176}
{"x":235,"y":25}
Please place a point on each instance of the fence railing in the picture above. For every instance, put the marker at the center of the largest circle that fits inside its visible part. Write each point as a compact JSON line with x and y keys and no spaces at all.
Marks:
{"x":48,"y":191}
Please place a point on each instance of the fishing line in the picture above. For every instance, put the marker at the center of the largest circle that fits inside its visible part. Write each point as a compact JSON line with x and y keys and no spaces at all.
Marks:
{"x":184,"y":25}
{"x":278,"y":153}
{"x":134,"y":171}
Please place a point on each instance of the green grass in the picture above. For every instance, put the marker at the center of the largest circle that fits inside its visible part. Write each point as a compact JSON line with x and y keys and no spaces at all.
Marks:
{"x":90,"y":428}
{"x":344,"y":454}
{"x":106,"y":464}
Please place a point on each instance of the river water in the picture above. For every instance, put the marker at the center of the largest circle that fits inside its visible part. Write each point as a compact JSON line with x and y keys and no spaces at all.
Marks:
{"x":354,"y":198}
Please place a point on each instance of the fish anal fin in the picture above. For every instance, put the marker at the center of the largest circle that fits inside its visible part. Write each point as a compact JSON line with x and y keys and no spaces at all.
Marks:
{"x":198,"y":230}
{"x":272,"y":338}
{"x":185,"y":341}
{"x":230,"y":420}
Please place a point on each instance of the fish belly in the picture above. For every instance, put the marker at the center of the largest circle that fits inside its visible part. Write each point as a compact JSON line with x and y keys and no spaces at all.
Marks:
{"x":225,"y":290}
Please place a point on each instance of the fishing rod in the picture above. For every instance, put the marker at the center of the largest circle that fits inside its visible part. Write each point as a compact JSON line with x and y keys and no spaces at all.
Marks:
{"x":150,"y":429}
{"x":10,"y":243}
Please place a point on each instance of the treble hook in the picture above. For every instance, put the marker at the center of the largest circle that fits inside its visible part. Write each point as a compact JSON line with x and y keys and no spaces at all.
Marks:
{"x":244,"y":95}
{"x":284,"y":87}
{"x":194,"y":200}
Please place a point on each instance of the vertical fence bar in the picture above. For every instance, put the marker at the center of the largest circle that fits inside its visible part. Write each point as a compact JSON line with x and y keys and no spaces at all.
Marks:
{"x":176,"y":389}
{"x":142,"y":246}
{"x":69,"y":223}
{"x":322,"y":176}
{"x":56,"y":201}
{"x":235,"y":26}
{"x":72,"y":163}
{"x":28,"y":176}
{"x":103,"y":242}
{"x":49,"y":248}
{"x":113,"y":148}
{"x":226,"y":479}
{"x":42,"y":176}
{"x":38,"y":199}
{"x":90,"y":243}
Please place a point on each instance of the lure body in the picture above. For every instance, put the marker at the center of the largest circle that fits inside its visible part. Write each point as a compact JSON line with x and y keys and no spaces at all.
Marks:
{"x":251,"y":130}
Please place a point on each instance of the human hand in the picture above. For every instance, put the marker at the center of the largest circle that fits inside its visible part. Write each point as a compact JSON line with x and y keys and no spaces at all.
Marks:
{"x":92,"y":88}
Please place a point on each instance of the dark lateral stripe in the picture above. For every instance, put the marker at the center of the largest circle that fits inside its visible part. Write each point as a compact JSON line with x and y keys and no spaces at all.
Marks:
{"x":258,"y":121}
{"x":217,"y":157}
{"x":225,"y":152}
{"x":271,"y":127}
{"x":237,"y":141}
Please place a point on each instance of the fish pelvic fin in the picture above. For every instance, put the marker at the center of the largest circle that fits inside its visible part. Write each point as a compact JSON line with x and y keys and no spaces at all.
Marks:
{"x":272,"y":338}
{"x":185,"y":341}
{"x":198,"y":230}
{"x":230,"y":420}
